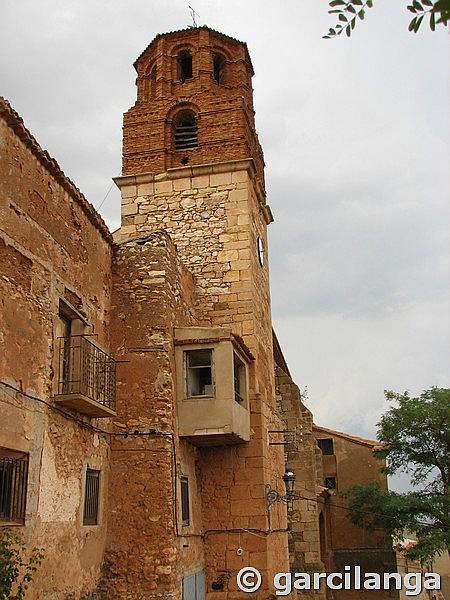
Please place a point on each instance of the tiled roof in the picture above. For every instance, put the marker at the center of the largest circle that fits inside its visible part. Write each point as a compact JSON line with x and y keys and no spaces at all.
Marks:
{"x":15,"y":122}
{"x":352,"y":438}
{"x":227,"y":37}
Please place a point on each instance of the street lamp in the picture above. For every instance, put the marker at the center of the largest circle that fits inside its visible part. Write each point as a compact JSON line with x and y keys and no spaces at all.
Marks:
{"x":273,"y":496}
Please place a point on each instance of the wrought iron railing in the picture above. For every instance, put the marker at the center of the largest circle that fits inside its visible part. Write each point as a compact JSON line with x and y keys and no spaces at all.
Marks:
{"x":85,"y":369}
{"x":13,"y":488}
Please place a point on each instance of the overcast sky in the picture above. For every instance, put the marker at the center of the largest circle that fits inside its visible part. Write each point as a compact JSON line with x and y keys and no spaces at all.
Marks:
{"x":356,"y":140}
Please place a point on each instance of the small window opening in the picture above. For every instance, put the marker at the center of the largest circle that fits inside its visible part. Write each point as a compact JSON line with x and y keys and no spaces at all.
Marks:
{"x":260,"y":252}
{"x":330,"y":483}
{"x":185,"y":65}
{"x":199,"y":373}
{"x":186,"y":132}
{"x":185,"y":509}
{"x":13,"y":485}
{"x":218,"y":67}
{"x":91,"y":497}
{"x":326,"y":445}
{"x":239,"y":379}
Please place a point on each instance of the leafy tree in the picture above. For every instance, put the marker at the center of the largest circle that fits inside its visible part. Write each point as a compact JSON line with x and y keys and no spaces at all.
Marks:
{"x":349,"y":11}
{"x":16,"y":571}
{"x":415,"y":438}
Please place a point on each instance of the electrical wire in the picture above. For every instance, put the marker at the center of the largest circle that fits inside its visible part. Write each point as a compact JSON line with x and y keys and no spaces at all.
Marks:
{"x":83,"y":423}
{"x":107,"y":194}
{"x":167,"y":435}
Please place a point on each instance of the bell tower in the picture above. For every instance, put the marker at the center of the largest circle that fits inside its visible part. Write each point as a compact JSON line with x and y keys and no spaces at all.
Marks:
{"x":194,"y":104}
{"x":193,"y":169}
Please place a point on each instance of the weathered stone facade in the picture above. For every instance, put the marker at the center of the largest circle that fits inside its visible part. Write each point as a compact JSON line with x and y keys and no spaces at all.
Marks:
{"x":53,"y":248}
{"x":182,"y":499}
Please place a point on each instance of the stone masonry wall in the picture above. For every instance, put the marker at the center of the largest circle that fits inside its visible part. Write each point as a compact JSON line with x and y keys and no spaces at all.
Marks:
{"x":52,"y":246}
{"x":303,"y":517}
{"x":214,"y":214}
{"x":148,"y":550}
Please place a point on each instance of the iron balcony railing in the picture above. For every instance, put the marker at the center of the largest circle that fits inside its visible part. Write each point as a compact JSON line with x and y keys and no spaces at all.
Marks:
{"x":13,"y":488}
{"x":87,"y":370}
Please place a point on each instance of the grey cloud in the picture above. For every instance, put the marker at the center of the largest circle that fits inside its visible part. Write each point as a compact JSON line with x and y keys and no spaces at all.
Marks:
{"x":356,"y":143}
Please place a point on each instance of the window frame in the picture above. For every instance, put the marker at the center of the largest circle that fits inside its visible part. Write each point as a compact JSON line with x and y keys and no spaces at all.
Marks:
{"x":328,"y":479}
{"x":219,"y":63}
{"x":240,"y":395}
{"x":85,"y":522}
{"x":180,"y":145}
{"x":183,"y":55}
{"x":321,"y":442}
{"x":185,"y":501}
{"x":14,"y":493}
{"x":187,"y":369}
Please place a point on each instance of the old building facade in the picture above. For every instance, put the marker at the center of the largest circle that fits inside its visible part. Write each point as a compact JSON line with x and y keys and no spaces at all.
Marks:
{"x":147,"y":409}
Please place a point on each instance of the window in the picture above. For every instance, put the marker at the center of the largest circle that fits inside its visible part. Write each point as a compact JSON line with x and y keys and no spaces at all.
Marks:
{"x":326,"y":445}
{"x":91,"y":497}
{"x":199,"y":373}
{"x":13,"y":485}
{"x":185,"y":508}
{"x":186,"y":132}
{"x":218,"y":67}
{"x":239,"y":379}
{"x":260,"y":252}
{"x":185,"y":65}
{"x":330,"y":483}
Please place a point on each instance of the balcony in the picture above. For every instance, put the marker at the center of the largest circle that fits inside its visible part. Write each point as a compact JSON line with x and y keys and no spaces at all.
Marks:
{"x":212,"y":386}
{"x":87,"y":378}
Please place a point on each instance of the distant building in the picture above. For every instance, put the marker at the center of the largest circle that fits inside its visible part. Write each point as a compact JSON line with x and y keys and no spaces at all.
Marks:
{"x":148,"y":414}
{"x":348,"y":460}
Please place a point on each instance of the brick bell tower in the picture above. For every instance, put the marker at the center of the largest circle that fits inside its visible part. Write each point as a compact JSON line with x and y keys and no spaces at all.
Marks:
{"x":193,"y":168}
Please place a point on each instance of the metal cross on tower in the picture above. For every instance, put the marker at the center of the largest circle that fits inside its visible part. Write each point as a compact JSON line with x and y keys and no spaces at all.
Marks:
{"x":193,"y":15}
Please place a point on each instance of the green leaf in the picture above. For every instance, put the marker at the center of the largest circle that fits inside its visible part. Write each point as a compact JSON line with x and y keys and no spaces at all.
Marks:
{"x":342,"y":18}
{"x":348,"y":30}
{"x":427,"y":3}
{"x":357,"y":2}
{"x":361,"y":15}
{"x":417,"y":5}
{"x":353,"y":23}
{"x":412,"y":24}
{"x":432,"y":21}
{"x":335,"y":10}
{"x":410,"y":8}
{"x":419,"y":21}
{"x":369,"y":4}
{"x":337,"y":3}
{"x":351,"y":9}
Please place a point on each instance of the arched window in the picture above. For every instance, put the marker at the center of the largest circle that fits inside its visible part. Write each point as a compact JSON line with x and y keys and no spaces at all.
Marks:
{"x":218,"y":67}
{"x":184,"y":65}
{"x":186,"y":131}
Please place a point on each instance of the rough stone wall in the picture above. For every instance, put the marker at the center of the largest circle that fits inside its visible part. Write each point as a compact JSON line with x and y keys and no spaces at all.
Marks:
{"x":52,"y":246}
{"x":303,"y":516}
{"x":214,"y":214}
{"x":224,"y":112}
{"x":148,"y":549}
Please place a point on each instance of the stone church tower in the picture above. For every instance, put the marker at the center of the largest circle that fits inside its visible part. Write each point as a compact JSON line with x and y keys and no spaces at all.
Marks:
{"x":193,"y":317}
